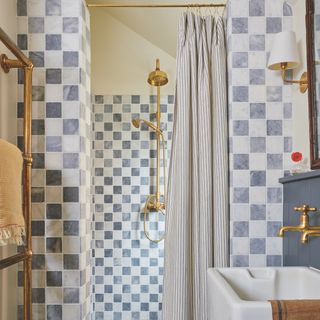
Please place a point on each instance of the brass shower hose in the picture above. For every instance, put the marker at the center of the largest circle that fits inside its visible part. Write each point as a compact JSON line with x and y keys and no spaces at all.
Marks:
{"x":152,"y":200}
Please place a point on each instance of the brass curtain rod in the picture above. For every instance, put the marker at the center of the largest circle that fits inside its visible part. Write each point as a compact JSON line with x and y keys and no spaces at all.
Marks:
{"x":111,"y":5}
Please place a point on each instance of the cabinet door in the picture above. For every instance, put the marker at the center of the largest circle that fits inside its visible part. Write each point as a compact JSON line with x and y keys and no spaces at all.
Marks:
{"x":296,"y":194}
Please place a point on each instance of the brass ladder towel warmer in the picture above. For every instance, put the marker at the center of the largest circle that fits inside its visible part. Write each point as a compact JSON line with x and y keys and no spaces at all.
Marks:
{"x":22,"y":62}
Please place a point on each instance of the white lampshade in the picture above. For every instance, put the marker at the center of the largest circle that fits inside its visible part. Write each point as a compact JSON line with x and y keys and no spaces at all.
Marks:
{"x":284,"y":50}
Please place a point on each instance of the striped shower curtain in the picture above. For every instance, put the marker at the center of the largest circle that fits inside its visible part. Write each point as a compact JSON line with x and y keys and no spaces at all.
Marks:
{"x":197,"y":227}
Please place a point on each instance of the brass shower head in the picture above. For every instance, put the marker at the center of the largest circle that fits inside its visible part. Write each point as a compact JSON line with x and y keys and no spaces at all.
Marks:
{"x":158,"y":78}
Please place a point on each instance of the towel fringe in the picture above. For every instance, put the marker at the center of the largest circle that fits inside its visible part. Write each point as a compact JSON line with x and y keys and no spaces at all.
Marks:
{"x":12,"y":234}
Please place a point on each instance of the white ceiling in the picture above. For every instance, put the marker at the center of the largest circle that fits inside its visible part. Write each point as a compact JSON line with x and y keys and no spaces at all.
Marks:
{"x":158,"y":26}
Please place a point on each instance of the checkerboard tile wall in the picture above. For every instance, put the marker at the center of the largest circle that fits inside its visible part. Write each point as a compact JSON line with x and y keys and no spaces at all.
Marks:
{"x":127,"y":267}
{"x":260,"y":131}
{"x":55,"y":35}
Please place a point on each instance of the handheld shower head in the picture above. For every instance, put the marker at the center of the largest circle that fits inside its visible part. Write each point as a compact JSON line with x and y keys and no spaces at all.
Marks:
{"x":136,"y":123}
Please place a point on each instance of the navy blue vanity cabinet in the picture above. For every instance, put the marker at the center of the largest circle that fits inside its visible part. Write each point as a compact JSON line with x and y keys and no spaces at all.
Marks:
{"x":298,"y":190}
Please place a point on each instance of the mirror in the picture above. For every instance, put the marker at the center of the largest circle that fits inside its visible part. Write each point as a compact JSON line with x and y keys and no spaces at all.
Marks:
{"x":313,"y":52}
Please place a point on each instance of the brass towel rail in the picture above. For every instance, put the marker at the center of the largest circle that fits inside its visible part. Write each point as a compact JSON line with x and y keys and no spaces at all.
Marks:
{"x":24,"y":63}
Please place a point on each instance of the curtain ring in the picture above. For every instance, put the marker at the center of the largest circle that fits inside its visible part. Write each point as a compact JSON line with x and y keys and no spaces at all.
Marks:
{"x":211,"y":13}
{"x":198,"y":11}
{"x":207,"y":11}
{"x":203,"y":12}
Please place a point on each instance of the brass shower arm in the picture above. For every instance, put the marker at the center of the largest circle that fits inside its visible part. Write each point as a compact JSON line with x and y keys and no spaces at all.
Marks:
{"x":152,"y":126}
{"x":136,"y":122}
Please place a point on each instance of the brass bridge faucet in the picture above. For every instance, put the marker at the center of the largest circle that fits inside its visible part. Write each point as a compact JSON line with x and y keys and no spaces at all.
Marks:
{"x":304,"y":226}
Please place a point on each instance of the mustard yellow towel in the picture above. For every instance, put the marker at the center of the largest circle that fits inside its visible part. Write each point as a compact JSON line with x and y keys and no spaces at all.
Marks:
{"x":12,"y":226}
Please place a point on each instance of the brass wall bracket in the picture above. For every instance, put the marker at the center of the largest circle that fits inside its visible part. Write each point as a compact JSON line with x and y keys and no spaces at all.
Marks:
{"x":7,"y":64}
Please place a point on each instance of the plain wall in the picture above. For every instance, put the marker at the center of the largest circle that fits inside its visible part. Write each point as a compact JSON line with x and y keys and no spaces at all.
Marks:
{"x":8,"y":84}
{"x":300,"y":101}
{"x":122,"y":59}
{"x":8,"y":127}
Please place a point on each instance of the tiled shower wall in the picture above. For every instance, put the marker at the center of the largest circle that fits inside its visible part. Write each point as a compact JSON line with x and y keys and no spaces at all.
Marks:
{"x":55,"y":35}
{"x":260,"y":131}
{"x":127,"y":267}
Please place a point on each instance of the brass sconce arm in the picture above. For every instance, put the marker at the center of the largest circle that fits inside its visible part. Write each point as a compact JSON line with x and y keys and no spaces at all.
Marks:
{"x":303,"y":82}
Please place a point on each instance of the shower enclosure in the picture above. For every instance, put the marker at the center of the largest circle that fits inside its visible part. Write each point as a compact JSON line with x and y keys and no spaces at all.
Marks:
{"x":128,"y":268}
{"x":129,"y":179}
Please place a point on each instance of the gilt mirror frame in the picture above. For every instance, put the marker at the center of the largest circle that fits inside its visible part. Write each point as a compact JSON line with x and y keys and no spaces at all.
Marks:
{"x":314,"y":113}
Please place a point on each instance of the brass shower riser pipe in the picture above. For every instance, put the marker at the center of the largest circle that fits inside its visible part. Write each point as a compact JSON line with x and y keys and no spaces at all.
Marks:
{"x":158,"y":116}
{"x":153,"y":6}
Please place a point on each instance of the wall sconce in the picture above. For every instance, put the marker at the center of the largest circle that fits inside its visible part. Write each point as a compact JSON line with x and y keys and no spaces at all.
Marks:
{"x":284,"y":56}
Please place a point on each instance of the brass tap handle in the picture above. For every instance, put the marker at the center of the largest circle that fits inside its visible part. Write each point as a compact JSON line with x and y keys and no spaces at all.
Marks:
{"x":305,"y":209}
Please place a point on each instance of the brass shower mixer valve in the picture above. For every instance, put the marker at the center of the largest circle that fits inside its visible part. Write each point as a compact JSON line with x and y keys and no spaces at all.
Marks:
{"x":157,"y":205}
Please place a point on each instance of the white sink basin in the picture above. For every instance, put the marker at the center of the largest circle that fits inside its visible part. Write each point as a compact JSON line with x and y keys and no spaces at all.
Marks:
{"x":243,"y":293}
